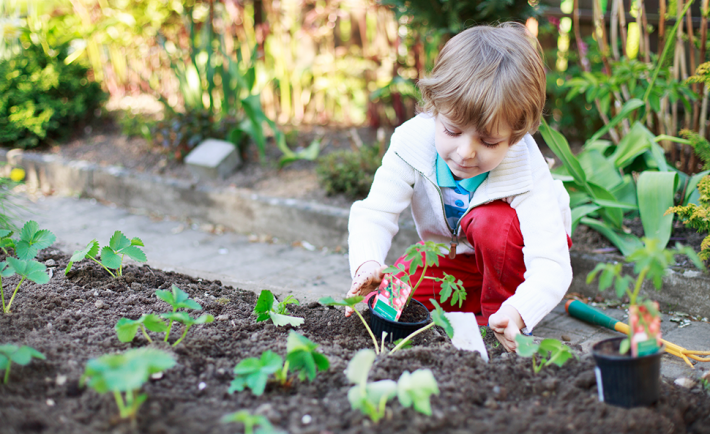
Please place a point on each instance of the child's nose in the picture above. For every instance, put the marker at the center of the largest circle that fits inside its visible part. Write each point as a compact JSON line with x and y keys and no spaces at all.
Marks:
{"x":467,"y":150}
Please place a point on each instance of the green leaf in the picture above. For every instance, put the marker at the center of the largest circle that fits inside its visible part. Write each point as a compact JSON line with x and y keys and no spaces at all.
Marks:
{"x":177,"y":298}
{"x":626,"y":110}
{"x":126,"y":371}
{"x":691,"y":188}
{"x":31,"y":270}
{"x":185,"y":319}
{"x":526,"y":345}
{"x":32,"y":240}
{"x":302,"y":356}
{"x":6,"y":270}
{"x":91,"y":250}
{"x":254,"y":373}
{"x":626,"y":243}
{"x":598,"y":169}
{"x":582,"y":211}
{"x":655,"y":195}
{"x":134,"y":253}
{"x":359,"y":366}
{"x":110,"y":259}
{"x":284,"y":320}
{"x":137,"y":242}
{"x":439,"y":318}
{"x":558,"y":144}
{"x":351,"y":301}
{"x":416,"y":389}
{"x":119,"y":241}
{"x":265,"y":302}
{"x":24,"y":355}
{"x":636,"y":142}
{"x":127,"y":328}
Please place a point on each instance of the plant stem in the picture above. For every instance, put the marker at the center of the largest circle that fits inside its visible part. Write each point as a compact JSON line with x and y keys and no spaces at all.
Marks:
{"x":187,"y":327}
{"x":536,"y":367}
{"x":372,"y":335}
{"x":120,"y":268}
{"x":7,"y":371}
{"x":167,"y":333}
{"x":14,"y":293}
{"x":408,"y":338}
{"x":98,"y":262}
{"x":2,"y":296}
{"x":146,"y":334}
{"x":637,"y":288}
{"x":414,"y":289}
{"x":122,"y":410}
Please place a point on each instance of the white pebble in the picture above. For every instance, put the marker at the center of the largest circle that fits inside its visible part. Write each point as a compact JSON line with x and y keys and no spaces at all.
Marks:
{"x":685,"y":382}
{"x":50,"y":402}
{"x":306,"y":419}
{"x":61,"y":379}
{"x":156,"y":376}
{"x":202,"y":385}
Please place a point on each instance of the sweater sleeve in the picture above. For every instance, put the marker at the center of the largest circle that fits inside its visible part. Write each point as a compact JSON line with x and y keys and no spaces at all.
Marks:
{"x":373,"y":222}
{"x":548,"y":271}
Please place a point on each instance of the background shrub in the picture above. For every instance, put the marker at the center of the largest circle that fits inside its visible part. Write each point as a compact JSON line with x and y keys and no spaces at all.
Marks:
{"x":41,"y":97}
{"x":349,"y":172}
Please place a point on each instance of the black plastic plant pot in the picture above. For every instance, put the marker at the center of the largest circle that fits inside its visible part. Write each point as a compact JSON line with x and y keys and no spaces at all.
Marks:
{"x":626,"y":381}
{"x":395,"y":329}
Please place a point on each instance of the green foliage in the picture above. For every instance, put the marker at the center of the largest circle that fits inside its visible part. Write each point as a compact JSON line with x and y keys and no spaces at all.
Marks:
{"x":268,"y":308}
{"x":178,"y":133}
{"x":31,"y":241}
{"x":250,"y":422}
{"x":547,"y":352}
{"x":349,"y":172}
{"x":178,"y":299}
{"x":127,"y":328}
{"x":413,"y":389}
{"x":10,"y":354}
{"x":698,"y":216}
{"x":437,"y":318}
{"x":302,"y":357}
{"x":254,"y":372}
{"x":126,"y":372}
{"x":187,"y":321}
{"x":699,"y":144}
{"x":42,"y":97}
{"x":111,"y":255}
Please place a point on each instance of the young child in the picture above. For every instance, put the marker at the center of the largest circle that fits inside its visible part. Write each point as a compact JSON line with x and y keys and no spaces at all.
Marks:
{"x":476,"y":181}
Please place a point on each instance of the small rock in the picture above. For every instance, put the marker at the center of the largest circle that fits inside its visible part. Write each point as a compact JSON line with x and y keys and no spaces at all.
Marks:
{"x":222,"y":317}
{"x":156,"y":376}
{"x":306,"y":419}
{"x":50,"y":402}
{"x":100,"y":304}
{"x":566,"y":338}
{"x":202,"y":385}
{"x":50,"y":263}
{"x":136,"y":286}
{"x":254,"y":337}
{"x":491,"y":403}
{"x":686,"y":382}
{"x":61,"y":379}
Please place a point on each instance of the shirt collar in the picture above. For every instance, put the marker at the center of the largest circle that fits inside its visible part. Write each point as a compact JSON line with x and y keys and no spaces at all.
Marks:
{"x":444,"y":177}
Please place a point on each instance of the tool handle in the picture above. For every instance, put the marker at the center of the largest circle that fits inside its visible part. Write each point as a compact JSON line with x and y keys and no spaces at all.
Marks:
{"x":584,"y":312}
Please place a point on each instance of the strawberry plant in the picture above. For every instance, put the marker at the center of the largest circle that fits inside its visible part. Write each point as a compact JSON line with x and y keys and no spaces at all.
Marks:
{"x":268,"y":308}
{"x":187,"y":321}
{"x":250,"y":422}
{"x":177,"y":299}
{"x":302,"y":357}
{"x":112,"y":255}
{"x":127,"y":328}
{"x":547,"y":352}
{"x":126,"y":373}
{"x":413,"y":389}
{"x":32,"y":240}
{"x":254,"y":372}
{"x":10,"y":354}
{"x":651,"y":261}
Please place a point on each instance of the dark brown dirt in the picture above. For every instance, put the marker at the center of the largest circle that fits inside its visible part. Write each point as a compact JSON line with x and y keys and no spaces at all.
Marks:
{"x":71,"y":320}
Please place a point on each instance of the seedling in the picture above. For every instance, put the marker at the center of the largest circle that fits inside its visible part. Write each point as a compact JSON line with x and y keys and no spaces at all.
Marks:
{"x":302,"y":357}
{"x":21,"y":355}
{"x":437,"y":318}
{"x":650,"y":261}
{"x":126,"y":372}
{"x":178,"y":299}
{"x":127,"y":328}
{"x":254,"y":372}
{"x":371,"y":399}
{"x":32,"y":240}
{"x":547,"y":352}
{"x":5,"y":241}
{"x":112,"y":255}
{"x":187,"y":321}
{"x":250,"y":422}
{"x":267,"y":307}
{"x":430,"y":251}
{"x":351,"y":302}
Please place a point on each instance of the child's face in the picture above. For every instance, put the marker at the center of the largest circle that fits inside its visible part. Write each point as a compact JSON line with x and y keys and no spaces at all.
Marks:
{"x":466,"y":151}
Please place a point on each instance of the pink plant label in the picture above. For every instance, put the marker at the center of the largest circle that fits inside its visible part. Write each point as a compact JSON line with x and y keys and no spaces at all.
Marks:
{"x":645,"y":329}
{"x":391,"y":298}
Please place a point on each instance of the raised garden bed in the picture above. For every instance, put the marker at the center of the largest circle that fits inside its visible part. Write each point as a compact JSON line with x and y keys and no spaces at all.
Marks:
{"x":71,"y":320}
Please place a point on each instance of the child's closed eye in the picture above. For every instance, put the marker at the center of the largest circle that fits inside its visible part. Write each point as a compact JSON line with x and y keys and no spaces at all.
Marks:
{"x":451,"y":133}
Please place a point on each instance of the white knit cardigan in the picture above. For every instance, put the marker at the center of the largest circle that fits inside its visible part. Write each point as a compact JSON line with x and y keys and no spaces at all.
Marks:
{"x":408,"y":177}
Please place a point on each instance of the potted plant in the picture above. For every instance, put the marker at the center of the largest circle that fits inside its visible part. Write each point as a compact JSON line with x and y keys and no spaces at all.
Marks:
{"x":628,"y":368}
{"x":395,"y":294}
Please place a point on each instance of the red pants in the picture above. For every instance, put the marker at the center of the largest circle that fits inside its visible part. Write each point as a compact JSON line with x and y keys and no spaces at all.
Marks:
{"x":492,"y":274}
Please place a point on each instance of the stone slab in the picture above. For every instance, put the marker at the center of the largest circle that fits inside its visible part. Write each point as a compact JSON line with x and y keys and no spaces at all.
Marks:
{"x":213,"y":159}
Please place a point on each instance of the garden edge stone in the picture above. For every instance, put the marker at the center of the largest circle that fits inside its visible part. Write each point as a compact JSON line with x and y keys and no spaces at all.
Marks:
{"x":287,"y":219}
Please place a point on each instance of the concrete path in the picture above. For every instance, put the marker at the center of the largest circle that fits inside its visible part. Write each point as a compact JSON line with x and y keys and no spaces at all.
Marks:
{"x":247,"y":262}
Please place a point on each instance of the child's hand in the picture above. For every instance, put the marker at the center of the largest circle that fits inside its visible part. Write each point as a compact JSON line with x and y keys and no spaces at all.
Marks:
{"x":368,"y":278}
{"x":506,"y":324}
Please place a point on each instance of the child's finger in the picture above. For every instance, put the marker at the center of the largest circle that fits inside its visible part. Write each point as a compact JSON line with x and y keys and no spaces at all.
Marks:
{"x":348,"y":311}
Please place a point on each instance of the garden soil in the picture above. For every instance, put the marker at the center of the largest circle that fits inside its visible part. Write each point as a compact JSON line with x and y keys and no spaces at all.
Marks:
{"x":71,"y":320}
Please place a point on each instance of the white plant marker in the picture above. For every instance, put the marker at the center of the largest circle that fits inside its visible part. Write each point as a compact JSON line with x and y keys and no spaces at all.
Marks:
{"x":467,"y":335}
